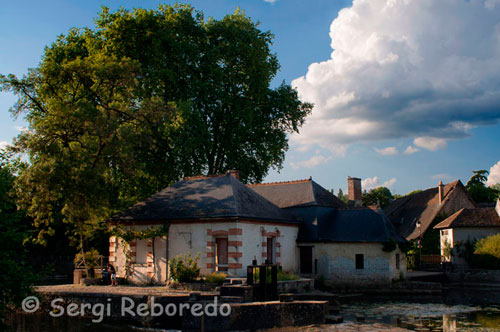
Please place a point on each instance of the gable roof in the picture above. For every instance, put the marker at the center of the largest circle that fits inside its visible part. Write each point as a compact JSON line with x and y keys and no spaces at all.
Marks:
{"x":325,"y":224}
{"x":480,"y":217}
{"x":423,"y":206}
{"x":204,"y":197}
{"x":297,"y":193}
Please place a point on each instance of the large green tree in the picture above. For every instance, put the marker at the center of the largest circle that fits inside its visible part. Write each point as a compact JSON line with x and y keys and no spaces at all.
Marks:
{"x":477,"y":189}
{"x":122,"y":109}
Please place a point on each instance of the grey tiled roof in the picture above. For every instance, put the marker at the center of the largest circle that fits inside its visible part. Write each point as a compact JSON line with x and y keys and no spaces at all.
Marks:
{"x":325,"y":224}
{"x":204,"y":197}
{"x":297,"y":193}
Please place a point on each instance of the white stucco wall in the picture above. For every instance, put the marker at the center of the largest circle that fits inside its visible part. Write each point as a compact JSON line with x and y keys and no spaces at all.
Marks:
{"x":462,"y":235}
{"x":145,"y":263}
{"x":336,"y":262}
{"x":245,"y":241}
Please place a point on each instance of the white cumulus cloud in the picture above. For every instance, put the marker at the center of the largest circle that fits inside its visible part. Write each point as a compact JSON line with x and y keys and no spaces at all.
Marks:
{"x":311,"y":162}
{"x":410,"y":150}
{"x":271,"y":1}
{"x":374,"y":182}
{"x":430,"y":143}
{"x":422,"y":69}
{"x":388,"y":151}
{"x":494,"y":176}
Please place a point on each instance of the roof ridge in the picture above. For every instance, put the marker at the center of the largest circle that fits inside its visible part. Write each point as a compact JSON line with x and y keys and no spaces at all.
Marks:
{"x":233,"y":196}
{"x":279,"y":182}
{"x":199,"y":177}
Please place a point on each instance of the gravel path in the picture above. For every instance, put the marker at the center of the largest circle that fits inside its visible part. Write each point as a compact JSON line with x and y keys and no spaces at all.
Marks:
{"x":118,"y":290}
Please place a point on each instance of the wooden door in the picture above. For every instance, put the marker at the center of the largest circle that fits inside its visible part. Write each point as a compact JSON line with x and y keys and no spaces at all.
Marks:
{"x":270,"y":250}
{"x":305,"y":260}
{"x":221,"y":254}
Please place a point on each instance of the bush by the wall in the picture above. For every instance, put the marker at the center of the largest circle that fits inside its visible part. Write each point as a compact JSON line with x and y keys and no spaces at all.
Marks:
{"x":216,"y":278}
{"x":184,"y":268}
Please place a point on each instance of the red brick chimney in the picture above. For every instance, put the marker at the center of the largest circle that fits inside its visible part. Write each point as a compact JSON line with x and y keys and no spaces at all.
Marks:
{"x":234,"y":173}
{"x":354,"y":190}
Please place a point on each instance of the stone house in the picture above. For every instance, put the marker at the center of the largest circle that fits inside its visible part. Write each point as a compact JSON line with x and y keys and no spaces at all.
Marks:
{"x":467,"y":225}
{"x":342,"y":244}
{"x":298,"y":225}
{"x":217,"y":217}
{"x":413,"y":215}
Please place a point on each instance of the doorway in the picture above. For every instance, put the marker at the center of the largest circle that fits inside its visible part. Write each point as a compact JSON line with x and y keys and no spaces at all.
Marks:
{"x":221,"y":254}
{"x":306,"y":260}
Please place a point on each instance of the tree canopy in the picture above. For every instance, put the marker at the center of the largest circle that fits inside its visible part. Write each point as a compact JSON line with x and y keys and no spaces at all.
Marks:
{"x":120,"y":110}
{"x":380,"y":196}
{"x":477,"y":189}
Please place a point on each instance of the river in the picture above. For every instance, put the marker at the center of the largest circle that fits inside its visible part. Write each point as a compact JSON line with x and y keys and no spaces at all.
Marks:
{"x":458,"y":310}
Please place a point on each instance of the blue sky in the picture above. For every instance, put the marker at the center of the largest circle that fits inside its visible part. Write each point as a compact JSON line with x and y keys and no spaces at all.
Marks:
{"x":402,"y":101}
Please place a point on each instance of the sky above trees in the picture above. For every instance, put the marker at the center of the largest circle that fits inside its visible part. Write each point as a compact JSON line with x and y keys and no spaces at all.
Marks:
{"x":407,"y":93}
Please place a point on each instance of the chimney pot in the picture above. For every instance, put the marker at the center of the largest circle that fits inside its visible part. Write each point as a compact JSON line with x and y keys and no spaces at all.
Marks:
{"x":234,"y":173}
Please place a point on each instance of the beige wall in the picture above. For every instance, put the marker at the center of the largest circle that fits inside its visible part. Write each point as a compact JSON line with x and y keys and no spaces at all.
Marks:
{"x":145,"y":263}
{"x":336,"y":262}
{"x":245,"y":241}
{"x":464,"y":234}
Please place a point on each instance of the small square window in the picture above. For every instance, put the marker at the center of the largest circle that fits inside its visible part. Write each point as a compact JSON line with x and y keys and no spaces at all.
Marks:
{"x":360,"y":261}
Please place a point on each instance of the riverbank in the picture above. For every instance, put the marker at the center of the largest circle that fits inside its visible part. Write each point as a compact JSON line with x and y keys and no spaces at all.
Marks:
{"x":160,"y":307}
{"x":344,"y":327}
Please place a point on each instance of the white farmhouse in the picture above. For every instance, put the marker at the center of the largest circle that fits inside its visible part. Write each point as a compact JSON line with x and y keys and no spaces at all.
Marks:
{"x":297,"y":225}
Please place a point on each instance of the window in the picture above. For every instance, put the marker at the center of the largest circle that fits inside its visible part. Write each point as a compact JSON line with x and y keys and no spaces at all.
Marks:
{"x":360,"y":261}
{"x":141,"y":251}
{"x":221,"y":254}
{"x":397,"y":262}
{"x":271,"y":244}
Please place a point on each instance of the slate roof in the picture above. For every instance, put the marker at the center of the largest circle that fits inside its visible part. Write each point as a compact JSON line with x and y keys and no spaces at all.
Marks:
{"x":297,"y":193}
{"x":480,"y":217}
{"x":204,"y":197}
{"x":424,"y":206}
{"x":325,"y":224}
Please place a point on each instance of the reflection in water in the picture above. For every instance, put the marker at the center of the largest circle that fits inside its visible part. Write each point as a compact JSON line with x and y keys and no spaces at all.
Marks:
{"x":426,"y":316}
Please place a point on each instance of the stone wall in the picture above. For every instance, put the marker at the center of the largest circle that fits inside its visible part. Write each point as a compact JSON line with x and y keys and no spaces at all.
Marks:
{"x":243,"y":316}
{"x":336,"y":263}
{"x":302,"y":285}
{"x":474,"y":276}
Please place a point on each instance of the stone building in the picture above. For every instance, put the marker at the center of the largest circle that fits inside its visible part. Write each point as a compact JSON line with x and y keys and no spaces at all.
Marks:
{"x":342,"y":244}
{"x":467,"y":225}
{"x":298,"y":225}
{"x":414,"y":215}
